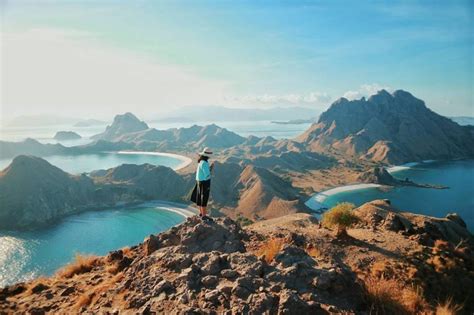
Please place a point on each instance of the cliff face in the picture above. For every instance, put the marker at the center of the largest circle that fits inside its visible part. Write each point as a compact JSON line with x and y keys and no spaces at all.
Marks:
{"x":393,"y":263}
{"x":391,"y":128}
{"x":33,"y":192}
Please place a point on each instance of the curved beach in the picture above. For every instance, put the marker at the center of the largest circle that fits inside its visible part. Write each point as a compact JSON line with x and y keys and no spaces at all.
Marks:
{"x":185,"y":161}
{"x":316,"y":202}
{"x":181,"y":209}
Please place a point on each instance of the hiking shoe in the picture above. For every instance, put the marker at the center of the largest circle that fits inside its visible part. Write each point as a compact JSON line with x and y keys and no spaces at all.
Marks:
{"x":208,"y":219}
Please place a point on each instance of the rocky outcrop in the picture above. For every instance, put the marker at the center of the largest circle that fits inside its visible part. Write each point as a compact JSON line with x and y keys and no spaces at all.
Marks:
{"x":381,"y":214}
{"x":390,"y":128}
{"x":378,"y":175}
{"x":122,"y":124}
{"x":196,"y":267}
{"x":287,"y":265}
{"x":66,"y":135}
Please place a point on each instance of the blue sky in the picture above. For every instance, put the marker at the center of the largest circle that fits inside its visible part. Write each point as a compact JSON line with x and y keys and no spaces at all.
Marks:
{"x":164,"y":54}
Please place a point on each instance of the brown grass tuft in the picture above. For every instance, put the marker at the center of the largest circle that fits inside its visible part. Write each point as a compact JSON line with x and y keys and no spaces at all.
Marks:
{"x":81,"y":264}
{"x":313,"y":251}
{"x":127,"y":251}
{"x":389,"y":296}
{"x":84,"y":300}
{"x":340,"y":217}
{"x":448,"y":308}
{"x":270,"y":249}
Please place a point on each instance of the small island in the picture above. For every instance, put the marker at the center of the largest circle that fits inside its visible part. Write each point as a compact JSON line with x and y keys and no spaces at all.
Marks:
{"x":66,"y":135}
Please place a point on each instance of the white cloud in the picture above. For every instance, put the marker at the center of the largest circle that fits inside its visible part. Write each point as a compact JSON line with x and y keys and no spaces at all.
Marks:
{"x":70,"y":73}
{"x":312,"y":98}
{"x":365,"y":90}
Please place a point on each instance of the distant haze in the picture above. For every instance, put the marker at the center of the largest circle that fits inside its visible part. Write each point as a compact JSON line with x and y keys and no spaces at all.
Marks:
{"x":96,"y":59}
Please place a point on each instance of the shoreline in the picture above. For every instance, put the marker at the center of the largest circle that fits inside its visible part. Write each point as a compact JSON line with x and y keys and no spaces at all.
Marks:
{"x":316,"y":202}
{"x":182,"y":209}
{"x":185,"y":161}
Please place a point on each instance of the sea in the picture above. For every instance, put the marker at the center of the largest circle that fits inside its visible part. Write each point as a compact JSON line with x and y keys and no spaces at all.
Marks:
{"x":458,"y":176}
{"x":29,"y":254}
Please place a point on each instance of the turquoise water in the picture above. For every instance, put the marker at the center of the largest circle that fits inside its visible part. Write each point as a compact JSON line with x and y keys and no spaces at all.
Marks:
{"x":29,"y":254}
{"x":75,"y":164}
{"x":458,"y":175}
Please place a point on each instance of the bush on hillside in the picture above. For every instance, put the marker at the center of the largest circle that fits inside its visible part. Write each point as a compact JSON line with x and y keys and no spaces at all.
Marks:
{"x":340,"y":217}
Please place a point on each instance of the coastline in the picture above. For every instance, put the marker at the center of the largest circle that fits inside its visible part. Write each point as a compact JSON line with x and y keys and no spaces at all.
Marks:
{"x":185,"y":161}
{"x":316,"y":202}
{"x":178,"y":208}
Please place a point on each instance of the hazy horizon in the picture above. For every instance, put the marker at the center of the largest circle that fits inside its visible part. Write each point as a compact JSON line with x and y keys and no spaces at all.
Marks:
{"x":101,"y":58}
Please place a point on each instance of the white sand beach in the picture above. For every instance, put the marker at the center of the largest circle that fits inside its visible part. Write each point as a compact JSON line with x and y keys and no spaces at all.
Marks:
{"x":185,"y":160}
{"x":181,"y":209}
{"x":316,"y":202}
{"x":398,"y":168}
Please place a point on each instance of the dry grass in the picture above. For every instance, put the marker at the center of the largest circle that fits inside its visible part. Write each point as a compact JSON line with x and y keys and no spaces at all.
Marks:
{"x":270,"y":249}
{"x":313,"y":251}
{"x":112,"y":269}
{"x":340,"y":217}
{"x":84,"y":300}
{"x":389,"y":296}
{"x":89,"y":298}
{"x":127,"y":251}
{"x":81,"y":264}
{"x":448,"y":308}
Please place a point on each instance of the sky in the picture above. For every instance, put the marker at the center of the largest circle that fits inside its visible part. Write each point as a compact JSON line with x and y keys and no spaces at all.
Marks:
{"x":94,"y":59}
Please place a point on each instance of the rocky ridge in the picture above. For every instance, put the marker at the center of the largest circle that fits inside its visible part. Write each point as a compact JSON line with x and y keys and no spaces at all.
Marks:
{"x":210,"y":268}
{"x":391,"y":128}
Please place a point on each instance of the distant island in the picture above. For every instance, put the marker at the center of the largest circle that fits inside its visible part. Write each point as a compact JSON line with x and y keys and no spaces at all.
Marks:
{"x":66,"y":135}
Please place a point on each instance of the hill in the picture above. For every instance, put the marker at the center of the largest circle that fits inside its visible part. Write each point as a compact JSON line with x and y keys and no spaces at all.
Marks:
{"x":33,"y":192}
{"x":122,"y":124}
{"x":29,"y":147}
{"x":253,"y":192}
{"x":390,"y":128}
{"x":393,"y":263}
{"x":66,"y":135}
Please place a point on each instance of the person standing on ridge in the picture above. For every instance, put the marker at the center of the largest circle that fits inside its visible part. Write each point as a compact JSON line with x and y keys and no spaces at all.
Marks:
{"x":202,"y":189}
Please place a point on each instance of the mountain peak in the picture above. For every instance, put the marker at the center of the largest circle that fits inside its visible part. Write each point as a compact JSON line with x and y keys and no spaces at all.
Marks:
{"x":122,"y":124}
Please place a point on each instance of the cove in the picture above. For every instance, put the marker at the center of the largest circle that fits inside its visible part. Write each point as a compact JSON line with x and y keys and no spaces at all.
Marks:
{"x":457,"y":175}
{"x":29,"y":254}
{"x":84,"y":163}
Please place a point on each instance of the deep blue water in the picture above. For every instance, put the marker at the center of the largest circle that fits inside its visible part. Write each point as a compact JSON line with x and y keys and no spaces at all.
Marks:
{"x":457,"y":175}
{"x":29,"y":254}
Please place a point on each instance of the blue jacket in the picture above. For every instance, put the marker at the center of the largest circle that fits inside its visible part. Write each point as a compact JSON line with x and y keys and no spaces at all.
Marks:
{"x":203,"y":171}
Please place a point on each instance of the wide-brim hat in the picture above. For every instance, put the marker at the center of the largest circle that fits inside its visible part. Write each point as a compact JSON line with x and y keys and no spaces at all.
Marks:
{"x":206,"y":152}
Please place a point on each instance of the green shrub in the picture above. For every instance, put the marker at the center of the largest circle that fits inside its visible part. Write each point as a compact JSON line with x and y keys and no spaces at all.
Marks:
{"x":243,"y":221}
{"x":340,"y":217}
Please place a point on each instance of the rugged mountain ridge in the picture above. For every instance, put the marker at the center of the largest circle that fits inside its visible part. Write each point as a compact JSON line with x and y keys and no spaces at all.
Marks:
{"x":287,"y":265}
{"x":129,"y":129}
{"x":33,"y":192}
{"x":390,"y":128}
